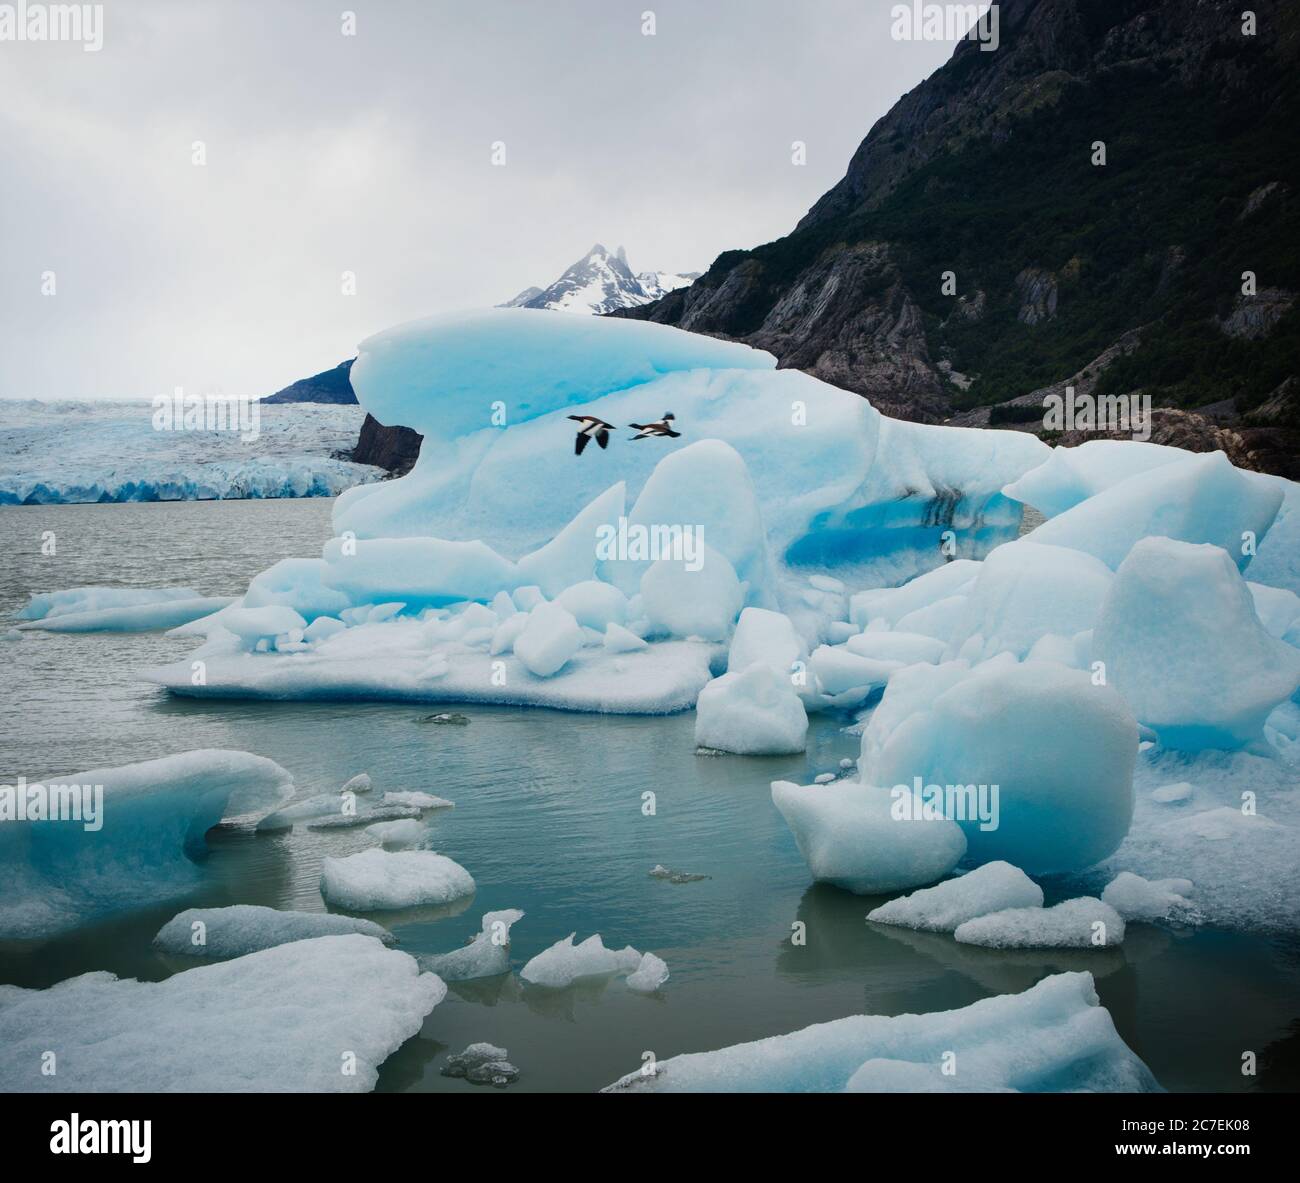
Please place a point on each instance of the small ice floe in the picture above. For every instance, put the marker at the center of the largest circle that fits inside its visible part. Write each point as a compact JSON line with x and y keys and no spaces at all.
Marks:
{"x":824,"y":778}
{"x":565,"y":963}
{"x":247,"y":928}
{"x":12,"y":635}
{"x":752,"y":712}
{"x":403,"y":834}
{"x":659,"y":871}
{"x":414,"y":799}
{"x":376,"y":880}
{"x":1136,"y":898}
{"x":1083,"y":923}
{"x":482,"y":1063}
{"x":994,"y":887}
{"x":358,"y":784}
{"x":446,"y":718}
{"x":1172,"y":794}
{"x":486,"y":955}
{"x":118,"y":609}
{"x":349,"y":821}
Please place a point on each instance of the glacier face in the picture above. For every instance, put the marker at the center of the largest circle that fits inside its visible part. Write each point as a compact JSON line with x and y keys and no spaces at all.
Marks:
{"x":63,"y":452}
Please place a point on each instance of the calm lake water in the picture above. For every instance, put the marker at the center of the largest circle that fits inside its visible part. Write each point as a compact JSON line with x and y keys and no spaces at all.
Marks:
{"x":548,"y":819}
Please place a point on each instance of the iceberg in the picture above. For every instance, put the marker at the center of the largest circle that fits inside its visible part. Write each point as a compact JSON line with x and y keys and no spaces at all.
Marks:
{"x":317,"y":1015}
{"x":235,"y":931}
{"x":993,"y":887}
{"x":1059,"y":749}
{"x":1055,"y":1037}
{"x":154,"y":815}
{"x":403,"y":834}
{"x":1181,"y":641}
{"x":381,"y":880}
{"x":486,"y":956}
{"x":117,"y":609}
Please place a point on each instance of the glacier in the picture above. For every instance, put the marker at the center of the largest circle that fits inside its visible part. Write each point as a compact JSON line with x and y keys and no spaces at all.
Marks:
{"x":54,"y":453}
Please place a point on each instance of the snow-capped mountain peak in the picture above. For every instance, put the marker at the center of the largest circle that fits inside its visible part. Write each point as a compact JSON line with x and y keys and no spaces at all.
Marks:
{"x":600,"y":282}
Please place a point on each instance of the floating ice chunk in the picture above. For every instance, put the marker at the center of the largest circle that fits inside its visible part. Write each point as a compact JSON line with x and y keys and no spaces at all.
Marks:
{"x":403,"y":834}
{"x":419,"y":571}
{"x":765,"y":636}
{"x":482,"y":1063}
{"x":1201,"y":499}
{"x":891,"y":604}
{"x":487,"y":955}
{"x":139,"y":847}
{"x":222,"y":1027}
{"x":649,"y":975}
{"x":346,"y":819}
{"x":824,"y":778}
{"x":565,"y":963}
{"x":1059,"y":750}
{"x":319,"y":805}
{"x":994,"y":887}
{"x":685,"y":603}
{"x":118,"y":609}
{"x":1225,"y":824}
{"x":659,"y":871}
{"x":594,"y":604}
{"x":848,"y":836}
{"x":1172,"y":794}
{"x":246,"y":928}
{"x":1054,"y":1037}
{"x":1023,"y":592}
{"x":753,"y":712}
{"x":550,"y":638}
{"x":571,"y":556}
{"x":357,"y":784}
{"x":1071,"y":475}
{"x":418,"y":800}
{"x":1083,"y":923}
{"x":1182,"y":644}
{"x":621,"y":640}
{"x":1136,"y":898}
{"x":376,"y":880}
{"x":904,"y":648}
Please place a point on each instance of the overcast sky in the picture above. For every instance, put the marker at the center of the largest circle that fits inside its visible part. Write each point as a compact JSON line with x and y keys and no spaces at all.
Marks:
{"x":373,"y":154}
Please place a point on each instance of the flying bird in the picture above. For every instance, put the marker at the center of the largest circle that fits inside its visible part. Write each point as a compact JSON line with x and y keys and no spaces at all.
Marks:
{"x":663,"y":426}
{"x":592,"y":428}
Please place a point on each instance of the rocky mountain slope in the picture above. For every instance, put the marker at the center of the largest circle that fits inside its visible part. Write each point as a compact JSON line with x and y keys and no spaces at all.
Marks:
{"x":329,"y":386}
{"x":977,"y":251}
